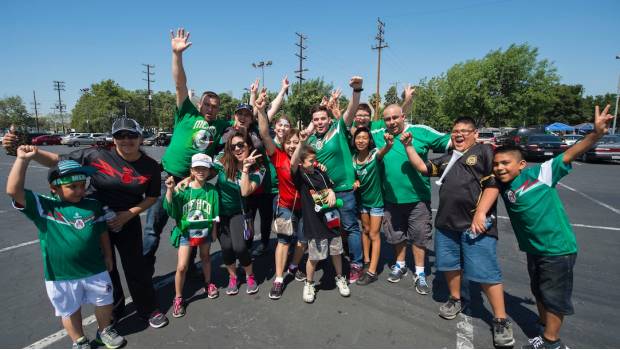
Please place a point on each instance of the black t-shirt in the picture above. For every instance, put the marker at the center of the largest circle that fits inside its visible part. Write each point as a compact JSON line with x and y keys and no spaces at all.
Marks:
{"x":462,"y":187}
{"x":118,"y":183}
{"x":313,"y":189}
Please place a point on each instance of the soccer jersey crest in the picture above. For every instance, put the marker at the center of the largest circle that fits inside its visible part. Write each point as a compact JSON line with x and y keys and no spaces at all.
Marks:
{"x":202,"y":139}
{"x":511,"y":196}
{"x":471,"y":160}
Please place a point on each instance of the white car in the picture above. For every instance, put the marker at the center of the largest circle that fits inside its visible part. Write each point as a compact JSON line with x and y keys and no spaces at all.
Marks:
{"x":571,"y":139}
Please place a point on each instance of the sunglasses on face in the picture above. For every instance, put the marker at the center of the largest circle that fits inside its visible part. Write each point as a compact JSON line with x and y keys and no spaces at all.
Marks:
{"x":126,"y":135}
{"x":238,"y":145}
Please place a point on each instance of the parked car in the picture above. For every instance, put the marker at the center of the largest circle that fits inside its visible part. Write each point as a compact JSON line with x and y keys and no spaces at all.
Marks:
{"x":32,"y":135}
{"x":541,"y":146}
{"x":162,"y":138}
{"x":79,"y":140}
{"x":514,"y":137}
{"x":46,"y":140}
{"x":486,"y":137}
{"x":607,"y":148}
{"x":571,"y":139}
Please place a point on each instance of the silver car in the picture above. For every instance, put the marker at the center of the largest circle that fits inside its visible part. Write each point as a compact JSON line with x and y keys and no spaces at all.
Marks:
{"x":79,"y":140}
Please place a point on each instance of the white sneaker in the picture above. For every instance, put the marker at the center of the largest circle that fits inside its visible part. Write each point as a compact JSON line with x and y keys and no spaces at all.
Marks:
{"x":309,"y":292}
{"x":343,"y":288}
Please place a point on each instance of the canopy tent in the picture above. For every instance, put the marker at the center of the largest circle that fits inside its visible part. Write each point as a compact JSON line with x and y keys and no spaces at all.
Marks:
{"x":584,"y":127}
{"x":559,"y":127}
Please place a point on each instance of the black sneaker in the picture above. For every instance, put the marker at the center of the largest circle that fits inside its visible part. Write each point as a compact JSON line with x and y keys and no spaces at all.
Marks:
{"x":158,"y":320}
{"x":276,"y":290}
{"x":540,"y":342}
{"x":300,"y":276}
{"x":367,"y":278}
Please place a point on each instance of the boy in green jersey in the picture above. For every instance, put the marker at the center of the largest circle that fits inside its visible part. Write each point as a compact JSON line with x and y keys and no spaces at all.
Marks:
{"x":542,"y":227}
{"x":76,"y":249}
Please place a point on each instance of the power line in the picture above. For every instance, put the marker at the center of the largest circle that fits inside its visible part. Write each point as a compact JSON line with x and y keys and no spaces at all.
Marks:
{"x":60,"y":86}
{"x":381,"y":44}
{"x":36,"y":110}
{"x":148,"y":84}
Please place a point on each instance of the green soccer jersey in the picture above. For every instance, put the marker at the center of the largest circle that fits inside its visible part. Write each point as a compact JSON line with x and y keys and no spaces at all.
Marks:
{"x":229,"y":190}
{"x":401,"y":182}
{"x":370,"y":181}
{"x":332,"y":150}
{"x":69,"y":234}
{"x":536,"y":212}
{"x":193,"y":209}
{"x":192,"y":134}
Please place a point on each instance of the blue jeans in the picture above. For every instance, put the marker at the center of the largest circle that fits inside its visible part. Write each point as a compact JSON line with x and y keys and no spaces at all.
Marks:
{"x":156,"y":219}
{"x":348,"y":220}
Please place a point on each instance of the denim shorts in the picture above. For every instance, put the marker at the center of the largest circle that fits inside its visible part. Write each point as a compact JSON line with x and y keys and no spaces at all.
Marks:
{"x":371,"y":211}
{"x":551,"y":281}
{"x":195,"y":242}
{"x":298,"y":226}
{"x":476,"y":257}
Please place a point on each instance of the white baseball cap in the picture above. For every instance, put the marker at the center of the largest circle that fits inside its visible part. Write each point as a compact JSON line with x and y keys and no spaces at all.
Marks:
{"x":200,"y":159}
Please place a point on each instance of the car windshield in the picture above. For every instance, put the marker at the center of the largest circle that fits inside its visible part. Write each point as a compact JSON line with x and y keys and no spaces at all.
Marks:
{"x":485,"y":135}
{"x":610,"y":139}
{"x":545,"y":138}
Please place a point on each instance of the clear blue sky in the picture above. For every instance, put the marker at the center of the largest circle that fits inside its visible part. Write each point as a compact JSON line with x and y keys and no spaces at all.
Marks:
{"x":82,"y":42}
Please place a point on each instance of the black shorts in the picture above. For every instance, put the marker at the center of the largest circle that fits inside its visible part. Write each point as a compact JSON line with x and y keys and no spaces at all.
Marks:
{"x":551,"y":281}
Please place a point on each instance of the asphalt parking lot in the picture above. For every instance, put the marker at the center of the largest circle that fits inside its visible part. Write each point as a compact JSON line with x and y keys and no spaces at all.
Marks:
{"x":381,"y":315}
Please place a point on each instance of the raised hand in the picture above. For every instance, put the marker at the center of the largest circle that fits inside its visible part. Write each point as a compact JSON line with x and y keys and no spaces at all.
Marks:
{"x":261,"y":101}
{"x":406,"y":139}
{"x":250,"y":160}
{"x":170,"y":183}
{"x":27,"y":152}
{"x":409,"y":92}
{"x":389,"y":139}
{"x":254,"y":86}
{"x":180,"y":40}
{"x":601,"y":120}
{"x":324,"y":101}
{"x":356,"y":82}
{"x":285,"y":84}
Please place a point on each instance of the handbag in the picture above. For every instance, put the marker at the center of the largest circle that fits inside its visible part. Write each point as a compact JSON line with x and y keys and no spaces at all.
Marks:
{"x":284,"y":226}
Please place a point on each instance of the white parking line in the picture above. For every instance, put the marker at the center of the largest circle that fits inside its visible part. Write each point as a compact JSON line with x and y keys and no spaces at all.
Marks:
{"x":464,"y":332}
{"x":18,"y":246}
{"x":590,"y":198}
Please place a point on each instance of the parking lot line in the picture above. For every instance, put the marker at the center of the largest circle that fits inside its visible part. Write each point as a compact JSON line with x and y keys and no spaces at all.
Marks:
{"x":590,"y":198}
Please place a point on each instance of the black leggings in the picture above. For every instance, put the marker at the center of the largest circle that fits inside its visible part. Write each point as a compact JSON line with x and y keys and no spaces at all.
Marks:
{"x":231,"y":241}
{"x":263,"y":204}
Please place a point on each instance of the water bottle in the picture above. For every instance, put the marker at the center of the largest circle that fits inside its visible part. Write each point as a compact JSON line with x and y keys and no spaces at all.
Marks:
{"x":339,"y":204}
{"x":487,"y":225}
{"x":109,"y":215}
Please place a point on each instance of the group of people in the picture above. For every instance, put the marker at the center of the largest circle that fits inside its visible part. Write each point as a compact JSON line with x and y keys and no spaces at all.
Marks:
{"x":312,"y":188}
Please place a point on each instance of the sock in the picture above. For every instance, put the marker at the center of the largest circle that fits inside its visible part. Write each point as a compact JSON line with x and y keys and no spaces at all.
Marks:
{"x":419,"y":270}
{"x":279,"y":279}
{"x":371,"y":273}
{"x":400,"y":264}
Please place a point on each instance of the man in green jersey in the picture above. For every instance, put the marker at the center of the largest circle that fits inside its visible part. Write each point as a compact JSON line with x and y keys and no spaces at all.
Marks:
{"x":196,"y":130}
{"x":542,"y":227}
{"x":406,"y":193}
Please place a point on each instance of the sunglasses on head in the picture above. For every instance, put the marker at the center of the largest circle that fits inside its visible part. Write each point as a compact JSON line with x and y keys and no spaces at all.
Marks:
{"x":240,"y":145}
{"x":126,"y":135}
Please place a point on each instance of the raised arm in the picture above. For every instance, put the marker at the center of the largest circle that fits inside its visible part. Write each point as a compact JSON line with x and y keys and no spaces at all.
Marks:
{"x":17,"y":176}
{"x":601,"y":127}
{"x":296,"y":157}
{"x":277,"y":102}
{"x":408,"y":100}
{"x":180,"y":42}
{"x":253,"y":92}
{"x":247,"y":186}
{"x":355,"y":83}
{"x":407,"y":140}
{"x":263,"y":124}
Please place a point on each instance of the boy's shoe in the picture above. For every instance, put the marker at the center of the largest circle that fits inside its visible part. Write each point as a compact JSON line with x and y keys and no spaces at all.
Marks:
{"x":81,"y":343}
{"x":367,"y":278}
{"x":252,"y":286}
{"x":397,"y":273}
{"x":309,"y":292}
{"x":502,"y":333}
{"x":540,"y":343}
{"x":450,"y":308}
{"x":110,"y":338}
{"x":343,"y":288}
{"x":355,"y":272}
{"x":232,"y":288}
{"x":276,"y":290}
{"x":178,"y":309}
{"x":157,"y":319}
{"x":300,"y":276}
{"x":212,"y":291}
{"x":420,"y":284}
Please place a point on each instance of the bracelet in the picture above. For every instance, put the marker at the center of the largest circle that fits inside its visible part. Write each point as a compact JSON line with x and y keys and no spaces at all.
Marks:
{"x":358,"y":90}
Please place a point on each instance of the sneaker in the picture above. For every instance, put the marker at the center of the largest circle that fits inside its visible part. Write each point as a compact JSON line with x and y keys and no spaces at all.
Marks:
{"x":300,"y":276}
{"x":158,"y":320}
{"x":309,"y":292}
{"x":232,"y":288}
{"x":178,"y":309}
{"x":420,"y":284}
{"x":540,"y":343}
{"x":343,"y":288}
{"x":502,"y":333}
{"x":367,"y":278}
{"x":110,"y":338}
{"x":450,"y":308}
{"x":355,"y":272}
{"x":252,"y":286}
{"x":397,"y":273}
{"x":81,"y":343}
{"x":276,"y":291}
{"x":212,"y":291}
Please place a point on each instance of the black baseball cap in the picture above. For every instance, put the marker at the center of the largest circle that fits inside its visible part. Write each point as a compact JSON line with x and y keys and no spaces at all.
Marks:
{"x":242,"y":106}
{"x":126,"y":124}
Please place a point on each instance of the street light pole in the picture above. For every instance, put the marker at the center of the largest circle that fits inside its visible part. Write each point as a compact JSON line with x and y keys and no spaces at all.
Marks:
{"x":613,"y":129}
{"x":262,"y":65}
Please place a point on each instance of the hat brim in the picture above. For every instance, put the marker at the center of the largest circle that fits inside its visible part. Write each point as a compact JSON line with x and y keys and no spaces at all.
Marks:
{"x":202,"y":163}
{"x":86,"y":170}
{"x":134,"y":131}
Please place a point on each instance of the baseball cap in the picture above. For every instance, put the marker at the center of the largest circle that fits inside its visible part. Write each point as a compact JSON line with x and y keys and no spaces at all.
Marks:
{"x":127,"y":124}
{"x":241,"y":106}
{"x":200,"y":159}
{"x":68,"y":171}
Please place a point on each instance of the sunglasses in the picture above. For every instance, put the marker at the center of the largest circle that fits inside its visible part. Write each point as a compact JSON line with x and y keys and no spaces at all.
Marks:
{"x":126,"y":135}
{"x":239,"y":145}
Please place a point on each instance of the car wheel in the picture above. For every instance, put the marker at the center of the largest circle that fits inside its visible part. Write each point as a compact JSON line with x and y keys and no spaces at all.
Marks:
{"x":76,"y":144}
{"x":584,"y":158}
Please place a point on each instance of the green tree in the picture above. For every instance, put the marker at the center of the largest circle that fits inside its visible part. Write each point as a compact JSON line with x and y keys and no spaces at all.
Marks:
{"x":227,"y":105}
{"x":13,"y":111}
{"x":589,"y":102}
{"x":96,"y":109}
{"x":298,"y":106}
{"x":427,"y":106}
{"x":566,"y":105}
{"x":391,"y":96}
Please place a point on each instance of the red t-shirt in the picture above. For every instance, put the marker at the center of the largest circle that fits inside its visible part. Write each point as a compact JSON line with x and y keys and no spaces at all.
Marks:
{"x":288,"y":192}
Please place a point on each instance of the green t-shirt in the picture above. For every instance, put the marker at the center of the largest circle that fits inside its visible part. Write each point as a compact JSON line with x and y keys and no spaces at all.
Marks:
{"x":69,"y":234}
{"x":192,"y":134}
{"x":193,"y":209}
{"x":402,"y":183}
{"x":370,"y":181}
{"x":229,"y":190}
{"x":536,"y":212}
{"x":332,"y":150}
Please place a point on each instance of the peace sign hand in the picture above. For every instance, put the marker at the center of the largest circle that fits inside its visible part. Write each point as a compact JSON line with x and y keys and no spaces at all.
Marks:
{"x":601,"y":120}
{"x":409,"y":92}
{"x":180,"y":41}
{"x":254,"y":86}
{"x":285,"y":83}
{"x":250,"y":160}
{"x":261,"y":101}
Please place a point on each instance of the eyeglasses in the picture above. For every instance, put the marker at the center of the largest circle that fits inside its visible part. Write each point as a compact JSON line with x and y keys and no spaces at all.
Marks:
{"x":239,"y":145}
{"x":362,"y":115}
{"x":126,"y":135}
{"x":464,"y":132}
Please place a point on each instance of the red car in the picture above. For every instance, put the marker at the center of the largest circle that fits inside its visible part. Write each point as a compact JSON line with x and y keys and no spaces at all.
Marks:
{"x":46,"y":140}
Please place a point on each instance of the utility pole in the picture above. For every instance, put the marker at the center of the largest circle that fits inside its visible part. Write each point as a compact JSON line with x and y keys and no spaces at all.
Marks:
{"x":60,"y":86}
{"x":148,"y":85}
{"x":36,"y":110}
{"x":381,"y":44}
{"x":125,"y":103}
{"x":300,"y":72}
{"x":613,"y":129}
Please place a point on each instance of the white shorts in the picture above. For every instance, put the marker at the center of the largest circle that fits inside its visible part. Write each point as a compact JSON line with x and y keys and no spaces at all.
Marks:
{"x":68,"y":296}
